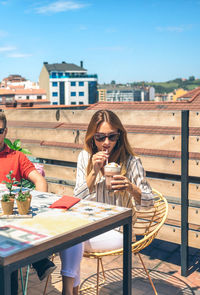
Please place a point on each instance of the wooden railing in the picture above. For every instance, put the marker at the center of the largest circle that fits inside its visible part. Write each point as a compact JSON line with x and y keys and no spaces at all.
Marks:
{"x":56,"y":138}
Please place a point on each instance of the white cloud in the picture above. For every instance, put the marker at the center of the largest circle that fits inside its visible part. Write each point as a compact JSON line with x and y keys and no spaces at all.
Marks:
{"x":82,"y":28}
{"x":170,"y":29}
{"x":19,"y":55}
{"x":7,"y":48}
{"x":3,"y":34}
{"x":111,"y":30}
{"x":4,"y":2}
{"x":59,"y":6}
{"x":176,"y":29}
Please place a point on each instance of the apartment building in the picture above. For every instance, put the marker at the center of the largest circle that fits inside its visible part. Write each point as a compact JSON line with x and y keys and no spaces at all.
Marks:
{"x":125,"y":93}
{"x":68,"y":84}
{"x":19,"y":96}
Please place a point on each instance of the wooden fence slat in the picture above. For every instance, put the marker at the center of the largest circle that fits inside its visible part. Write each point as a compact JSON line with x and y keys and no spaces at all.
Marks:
{"x":173,"y":234}
{"x":194,"y":120}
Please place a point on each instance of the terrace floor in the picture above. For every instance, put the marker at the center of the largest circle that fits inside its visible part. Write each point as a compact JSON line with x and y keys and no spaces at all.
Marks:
{"x":161,"y":257}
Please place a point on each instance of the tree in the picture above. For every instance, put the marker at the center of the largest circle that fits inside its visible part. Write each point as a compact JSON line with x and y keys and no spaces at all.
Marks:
{"x":191,"y":78}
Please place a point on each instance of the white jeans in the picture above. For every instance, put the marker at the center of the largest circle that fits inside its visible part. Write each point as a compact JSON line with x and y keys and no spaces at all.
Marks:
{"x":71,"y":257}
{"x":70,"y":262}
{"x":109,"y":240}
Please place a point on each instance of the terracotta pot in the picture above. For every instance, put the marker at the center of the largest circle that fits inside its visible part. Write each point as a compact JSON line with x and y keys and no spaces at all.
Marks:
{"x":23,"y":206}
{"x":7,"y":207}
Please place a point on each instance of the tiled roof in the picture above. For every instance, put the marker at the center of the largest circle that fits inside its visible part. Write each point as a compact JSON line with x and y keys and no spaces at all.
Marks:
{"x":31,"y":91}
{"x":193,"y":103}
{"x":63,"y":67}
{"x":70,"y":107}
{"x":16,"y":86}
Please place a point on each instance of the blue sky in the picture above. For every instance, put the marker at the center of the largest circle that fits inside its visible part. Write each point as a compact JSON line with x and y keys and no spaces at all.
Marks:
{"x":125,"y":41}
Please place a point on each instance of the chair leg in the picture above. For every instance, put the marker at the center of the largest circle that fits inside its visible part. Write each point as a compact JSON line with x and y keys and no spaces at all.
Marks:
{"x":47,"y":280}
{"x":103,"y":272}
{"x":147,"y":273}
{"x":99,"y":283}
{"x":97,"y":292}
{"x":24,"y":286}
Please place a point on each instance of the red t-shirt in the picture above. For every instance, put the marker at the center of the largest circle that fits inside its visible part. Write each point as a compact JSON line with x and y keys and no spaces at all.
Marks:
{"x":15,"y":161}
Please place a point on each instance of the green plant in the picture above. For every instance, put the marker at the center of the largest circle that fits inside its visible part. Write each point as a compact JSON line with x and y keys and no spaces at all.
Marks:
{"x":22,"y":197}
{"x":16,"y":146}
{"x":9,"y":184}
{"x":6,"y":198}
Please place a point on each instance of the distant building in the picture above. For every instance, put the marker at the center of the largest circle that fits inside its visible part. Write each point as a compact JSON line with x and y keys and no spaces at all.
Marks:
{"x":125,"y":93}
{"x":179,"y":92}
{"x":22,"y":96}
{"x":17,"y":81}
{"x":102,"y":94}
{"x":68,"y":84}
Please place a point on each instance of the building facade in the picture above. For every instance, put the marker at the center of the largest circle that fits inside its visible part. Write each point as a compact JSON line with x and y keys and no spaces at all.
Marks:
{"x":126,"y":94}
{"x":68,"y":84}
{"x":17,"y":81}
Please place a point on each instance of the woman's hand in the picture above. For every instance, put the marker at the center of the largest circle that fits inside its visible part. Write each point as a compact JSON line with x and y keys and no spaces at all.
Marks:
{"x":99,"y":160}
{"x":122,"y":183}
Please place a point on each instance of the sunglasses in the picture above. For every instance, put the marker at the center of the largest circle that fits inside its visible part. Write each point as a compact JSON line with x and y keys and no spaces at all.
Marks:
{"x":2,"y":130}
{"x":102,"y":136}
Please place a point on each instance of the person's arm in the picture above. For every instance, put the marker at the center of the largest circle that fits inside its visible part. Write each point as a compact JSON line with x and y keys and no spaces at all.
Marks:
{"x":39,"y":181}
{"x":91,"y":178}
{"x":81,"y":189}
{"x":135,"y":183}
{"x":98,"y":161}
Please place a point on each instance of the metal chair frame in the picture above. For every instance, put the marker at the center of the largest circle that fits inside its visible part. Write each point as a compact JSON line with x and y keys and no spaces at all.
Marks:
{"x":147,"y":225}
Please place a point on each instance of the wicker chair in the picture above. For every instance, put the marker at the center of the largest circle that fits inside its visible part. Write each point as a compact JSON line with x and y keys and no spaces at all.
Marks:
{"x":146,"y":227}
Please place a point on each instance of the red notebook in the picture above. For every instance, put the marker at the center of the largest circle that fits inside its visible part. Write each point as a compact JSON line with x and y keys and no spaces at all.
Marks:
{"x":65,"y":202}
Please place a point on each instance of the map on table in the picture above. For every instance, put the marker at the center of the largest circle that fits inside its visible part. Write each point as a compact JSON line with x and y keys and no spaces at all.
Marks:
{"x":13,"y":238}
{"x":17,"y":234}
{"x":28,"y":232}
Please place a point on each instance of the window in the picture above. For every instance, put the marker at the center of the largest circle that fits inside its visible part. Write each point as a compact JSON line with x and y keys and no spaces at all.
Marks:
{"x":39,"y":97}
{"x":80,"y":102}
{"x":81,"y":83}
{"x":81,"y":93}
{"x":54,"y":94}
{"x":73,"y":83}
{"x":73,"y":102}
{"x":60,"y":74}
{"x":54,"y":84}
{"x":55,"y":102}
{"x":27,"y":97}
{"x":54,"y":74}
{"x":73,"y":93}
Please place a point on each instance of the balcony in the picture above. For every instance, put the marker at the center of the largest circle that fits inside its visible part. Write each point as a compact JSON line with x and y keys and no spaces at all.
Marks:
{"x":84,"y":76}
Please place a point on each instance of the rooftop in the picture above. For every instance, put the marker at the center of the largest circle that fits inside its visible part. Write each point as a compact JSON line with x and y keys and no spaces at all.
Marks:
{"x":192,"y":103}
{"x":63,"y":67}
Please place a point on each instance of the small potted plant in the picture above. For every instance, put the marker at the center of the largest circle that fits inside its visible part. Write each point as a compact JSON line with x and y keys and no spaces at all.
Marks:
{"x":7,"y":201}
{"x":23,"y":201}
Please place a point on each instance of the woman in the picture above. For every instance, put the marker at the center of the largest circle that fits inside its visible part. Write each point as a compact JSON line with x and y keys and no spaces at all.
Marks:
{"x":106,"y":141}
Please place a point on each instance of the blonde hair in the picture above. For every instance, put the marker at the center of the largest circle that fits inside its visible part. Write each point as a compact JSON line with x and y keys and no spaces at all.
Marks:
{"x":122,"y":149}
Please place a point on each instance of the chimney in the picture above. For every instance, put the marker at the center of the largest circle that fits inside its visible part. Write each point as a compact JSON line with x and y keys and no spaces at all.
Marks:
{"x":63,"y":62}
{"x":45,"y":63}
{"x":81,"y":64}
